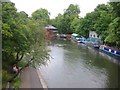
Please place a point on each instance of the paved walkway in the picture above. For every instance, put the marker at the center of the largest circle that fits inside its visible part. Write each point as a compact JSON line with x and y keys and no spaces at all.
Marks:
{"x":30,"y":78}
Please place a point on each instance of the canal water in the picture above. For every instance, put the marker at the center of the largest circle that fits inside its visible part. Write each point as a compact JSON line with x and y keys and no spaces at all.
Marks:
{"x":79,"y":66}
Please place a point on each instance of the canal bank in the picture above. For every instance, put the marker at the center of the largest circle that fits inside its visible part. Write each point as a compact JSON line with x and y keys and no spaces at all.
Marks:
{"x":32,"y":78}
{"x":43,"y":83}
{"x":73,"y":66}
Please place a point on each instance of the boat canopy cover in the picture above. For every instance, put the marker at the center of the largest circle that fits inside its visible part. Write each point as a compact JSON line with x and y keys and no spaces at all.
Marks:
{"x":83,"y":38}
{"x":75,"y":35}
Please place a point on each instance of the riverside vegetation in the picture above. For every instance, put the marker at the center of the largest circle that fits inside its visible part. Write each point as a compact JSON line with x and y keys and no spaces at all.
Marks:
{"x":23,"y":42}
{"x":105,"y":20}
{"x":23,"y":37}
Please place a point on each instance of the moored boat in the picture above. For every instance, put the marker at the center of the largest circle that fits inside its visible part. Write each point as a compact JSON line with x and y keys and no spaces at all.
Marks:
{"x":110,"y":50}
{"x":93,"y":44}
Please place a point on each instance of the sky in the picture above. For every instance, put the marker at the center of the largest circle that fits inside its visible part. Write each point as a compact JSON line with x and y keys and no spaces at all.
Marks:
{"x":56,"y":6}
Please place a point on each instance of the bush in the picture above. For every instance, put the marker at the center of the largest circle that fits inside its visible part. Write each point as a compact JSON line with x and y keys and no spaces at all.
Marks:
{"x":16,"y":83}
{"x":5,"y":77}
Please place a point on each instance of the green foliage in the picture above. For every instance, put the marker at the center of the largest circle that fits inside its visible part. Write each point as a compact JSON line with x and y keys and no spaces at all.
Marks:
{"x":75,"y":24}
{"x":41,"y":14}
{"x":114,"y":32}
{"x":72,"y":10}
{"x":58,"y":22}
{"x":16,"y":83}
{"x":98,"y":21}
{"x":5,"y":77}
{"x":38,"y":50}
{"x":102,"y":23}
{"x":104,"y":20}
{"x":70,"y":14}
{"x":113,"y":37}
{"x":64,"y":22}
{"x":8,"y":12}
{"x":115,"y":8}
{"x":22,"y":35}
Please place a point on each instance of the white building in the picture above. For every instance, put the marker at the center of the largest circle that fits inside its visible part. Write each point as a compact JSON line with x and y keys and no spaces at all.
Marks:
{"x":93,"y":34}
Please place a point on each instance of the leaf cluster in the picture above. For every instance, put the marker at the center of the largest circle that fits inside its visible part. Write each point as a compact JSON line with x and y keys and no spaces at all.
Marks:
{"x":104,"y":20}
{"x":23,"y":40}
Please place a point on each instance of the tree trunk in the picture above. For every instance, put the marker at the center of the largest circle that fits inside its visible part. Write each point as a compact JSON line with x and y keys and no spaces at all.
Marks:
{"x":12,"y":79}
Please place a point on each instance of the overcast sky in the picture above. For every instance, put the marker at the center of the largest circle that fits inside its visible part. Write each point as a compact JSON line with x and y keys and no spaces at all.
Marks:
{"x":56,"y":6}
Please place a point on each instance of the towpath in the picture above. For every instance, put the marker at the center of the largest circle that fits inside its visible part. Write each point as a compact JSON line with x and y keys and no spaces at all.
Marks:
{"x":30,"y":78}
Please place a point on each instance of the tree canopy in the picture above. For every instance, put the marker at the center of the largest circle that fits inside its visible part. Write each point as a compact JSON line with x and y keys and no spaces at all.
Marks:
{"x":113,"y":37}
{"x":105,"y":20}
{"x":41,"y":14}
{"x":23,"y":37}
{"x":23,"y":40}
{"x":64,"y":22}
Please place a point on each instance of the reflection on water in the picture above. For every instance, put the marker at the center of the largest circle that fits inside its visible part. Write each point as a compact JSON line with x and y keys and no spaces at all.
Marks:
{"x":75,"y":66}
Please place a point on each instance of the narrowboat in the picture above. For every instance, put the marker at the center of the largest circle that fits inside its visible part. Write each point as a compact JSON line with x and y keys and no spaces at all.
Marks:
{"x":110,"y":51}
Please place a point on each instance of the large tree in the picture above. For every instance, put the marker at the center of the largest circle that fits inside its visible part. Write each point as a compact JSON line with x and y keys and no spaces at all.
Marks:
{"x":97,"y":20}
{"x":86,"y":24}
{"x":58,"y":22}
{"x":113,"y":37}
{"x":23,"y":41}
{"x":41,"y":14}
{"x":69,"y":15}
{"x":102,"y":23}
{"x":65,"y":23}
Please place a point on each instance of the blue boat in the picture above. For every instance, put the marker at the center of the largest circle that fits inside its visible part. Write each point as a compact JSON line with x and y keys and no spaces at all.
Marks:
{"x":82,"y":40}
{"x":110,"y":51}
{"x":94,"y":42}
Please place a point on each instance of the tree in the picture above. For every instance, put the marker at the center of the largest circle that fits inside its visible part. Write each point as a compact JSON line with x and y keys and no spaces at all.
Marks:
{"x":70,"y":14}
{"x":98,"y":21}
{"x":115,"y":8}
{"x":113,"y":37}
{"x":23,"y":41}
{"x":64,"y":22}
{"x":114,"y":33}
{"x":38,"y":49}
{"x":86,"y":24}
{"x":80,"y":28}
{"x":8,"y":29}
{"x":72,"y":10}
{"x":41,"y":14}
{"x":102,"y":23}
{"x":58,"y":22}
{"x":74,"y":24}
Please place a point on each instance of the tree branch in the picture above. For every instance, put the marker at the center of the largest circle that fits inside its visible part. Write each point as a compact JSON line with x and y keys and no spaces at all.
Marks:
{"x":17,"y":55}
{"x":19,"y":59}
{"x":12,"y":79}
